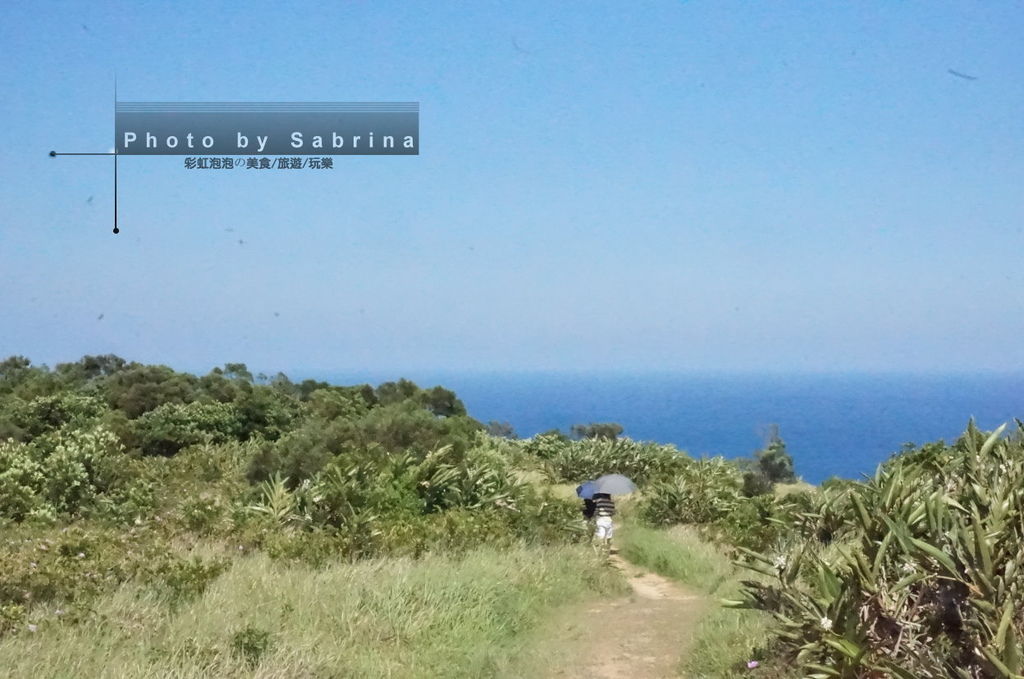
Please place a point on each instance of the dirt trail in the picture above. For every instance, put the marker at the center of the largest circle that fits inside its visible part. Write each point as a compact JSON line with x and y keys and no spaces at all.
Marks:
{"x":640,"y":636}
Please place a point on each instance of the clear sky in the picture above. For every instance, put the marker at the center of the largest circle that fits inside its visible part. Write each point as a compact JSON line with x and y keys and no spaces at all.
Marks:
{"x":785,"y":186}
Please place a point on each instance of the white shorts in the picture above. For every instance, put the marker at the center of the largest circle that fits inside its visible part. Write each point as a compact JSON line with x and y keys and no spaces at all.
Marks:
{"x":604,"y":528}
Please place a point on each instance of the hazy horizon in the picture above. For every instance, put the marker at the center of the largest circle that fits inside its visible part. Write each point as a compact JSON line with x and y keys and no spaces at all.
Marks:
{"x":386,"y":373}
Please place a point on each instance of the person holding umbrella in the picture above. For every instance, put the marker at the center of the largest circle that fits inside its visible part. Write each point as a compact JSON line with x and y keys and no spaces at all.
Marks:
{"x":599,"y":492}
{"x":604,"y":527}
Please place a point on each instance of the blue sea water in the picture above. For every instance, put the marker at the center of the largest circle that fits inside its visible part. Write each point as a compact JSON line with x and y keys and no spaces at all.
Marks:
{"x":833,"y":425}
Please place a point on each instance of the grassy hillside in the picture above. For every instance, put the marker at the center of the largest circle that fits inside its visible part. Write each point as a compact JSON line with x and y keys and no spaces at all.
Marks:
{"x":158,"y":522}
{"x":437,"y":616}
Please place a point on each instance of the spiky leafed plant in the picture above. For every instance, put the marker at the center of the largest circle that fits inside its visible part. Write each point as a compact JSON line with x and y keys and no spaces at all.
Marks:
{"x":575,"y":461}
{"x":474,"y":479}
{"x":924,"y":577}
{"x":276,"y":501}
{"x":702,"y":491}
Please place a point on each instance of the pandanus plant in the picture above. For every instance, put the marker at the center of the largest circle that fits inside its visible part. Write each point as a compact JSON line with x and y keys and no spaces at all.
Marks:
{"x":589,"y":458}
{"x":923,"y":574}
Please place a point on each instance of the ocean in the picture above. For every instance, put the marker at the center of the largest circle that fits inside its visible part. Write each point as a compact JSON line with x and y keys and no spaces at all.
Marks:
{"x":833,"y":425}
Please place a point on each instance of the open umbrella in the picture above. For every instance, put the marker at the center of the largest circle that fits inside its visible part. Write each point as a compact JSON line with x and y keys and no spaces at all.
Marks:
{"x":613,"y":484}
{"x":585,"y":490}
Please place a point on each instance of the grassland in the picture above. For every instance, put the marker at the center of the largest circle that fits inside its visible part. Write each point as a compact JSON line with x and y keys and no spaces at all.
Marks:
{"x":446,"y":616}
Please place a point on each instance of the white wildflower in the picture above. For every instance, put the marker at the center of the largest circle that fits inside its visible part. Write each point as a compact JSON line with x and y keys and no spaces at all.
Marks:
{"x":781,"y":562}
{"x":826,"y":624}
{"x":908,"y":567}
{"x":32,"y":628}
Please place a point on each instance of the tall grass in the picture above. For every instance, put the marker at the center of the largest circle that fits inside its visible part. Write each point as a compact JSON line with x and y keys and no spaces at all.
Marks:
{"x":677,"y":553}
{"x":438,"y":616}
{"x":725,"y":638}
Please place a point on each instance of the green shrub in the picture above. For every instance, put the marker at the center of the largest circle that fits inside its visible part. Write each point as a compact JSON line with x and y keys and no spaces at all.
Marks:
{"x":277,"y":502}
{"x":923,"y":575}
{"x":756,"y":523}
{"x":204,"y":515}
{"x":27,"y":420}
{"x":407,"y":425}
{"x":316,"y":547}
{"x":546,"y":446}
{"x":337,"y":403}
{"x":21,"y":481}
{"x":354,"y":490}
{"x":81,"y":465}
{"x":172,"y":426}
{"x":12,"y":617}
{"x":756,"y":482}
{"x":251,"y":644}
{"x":61,"y":473}
{"x":264,"y":412}
{"x":703,"y":491}
{"x":589,"y":458}
{"x":73,"y":564}
{"x":298,"y":455}
{"x":475,"y":479}
{"x":180,"y":580}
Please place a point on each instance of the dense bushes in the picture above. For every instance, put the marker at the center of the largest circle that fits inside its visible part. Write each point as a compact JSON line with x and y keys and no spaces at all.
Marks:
{"x":172,"y":426}
{"x":916,"y":573}
{"x":732,"y":500}
{"x":576,"y":461}
{"x":375,"y":497}
{"x":113,"y":472}
{"x":62,"y":474}
{"x":702,"y":491}
{"x":407,"y":426}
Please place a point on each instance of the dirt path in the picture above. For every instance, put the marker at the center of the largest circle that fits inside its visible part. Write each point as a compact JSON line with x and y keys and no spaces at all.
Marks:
{"x":640,"y":636}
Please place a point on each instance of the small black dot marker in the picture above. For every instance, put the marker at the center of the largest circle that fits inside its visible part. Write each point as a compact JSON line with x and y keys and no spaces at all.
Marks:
{"x":53,"y":154}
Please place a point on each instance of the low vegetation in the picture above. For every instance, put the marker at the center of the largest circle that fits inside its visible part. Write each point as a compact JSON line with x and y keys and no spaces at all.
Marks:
{"x":159,"y":523}
{"x":913,"y":573}
{"x":463,"y":616}
{"x":156,"y":522}
{"x":916,"y":572}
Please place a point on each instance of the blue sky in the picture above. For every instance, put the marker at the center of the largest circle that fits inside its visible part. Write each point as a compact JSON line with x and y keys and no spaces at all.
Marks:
{"x":781,"y":186}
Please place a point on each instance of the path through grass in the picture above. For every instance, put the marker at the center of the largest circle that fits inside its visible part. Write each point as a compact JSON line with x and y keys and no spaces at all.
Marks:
{"x":724,"y":639}
{"x":637,"y":636}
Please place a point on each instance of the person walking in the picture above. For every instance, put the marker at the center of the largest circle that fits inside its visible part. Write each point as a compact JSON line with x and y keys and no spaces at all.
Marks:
{"x":604,"y":527}
{"x":588,"y":509}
